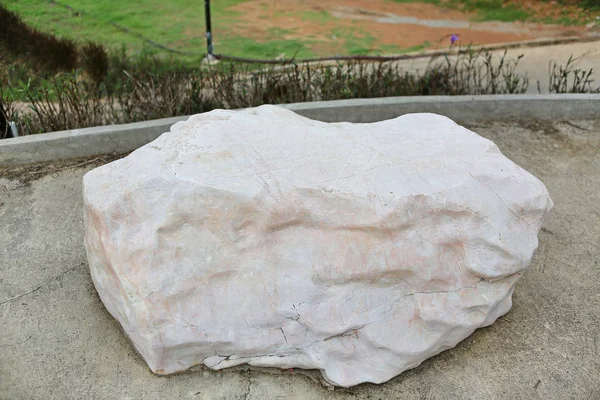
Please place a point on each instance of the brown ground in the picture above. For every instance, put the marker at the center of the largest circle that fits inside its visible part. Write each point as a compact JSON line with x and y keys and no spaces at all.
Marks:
{"x":358,"y":18}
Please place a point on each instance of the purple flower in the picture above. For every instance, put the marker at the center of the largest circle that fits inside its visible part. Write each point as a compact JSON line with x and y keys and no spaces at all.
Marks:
{"x":453,"y":38}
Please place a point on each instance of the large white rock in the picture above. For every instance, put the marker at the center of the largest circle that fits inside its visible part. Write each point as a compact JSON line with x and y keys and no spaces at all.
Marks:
{"x":266,"y":238}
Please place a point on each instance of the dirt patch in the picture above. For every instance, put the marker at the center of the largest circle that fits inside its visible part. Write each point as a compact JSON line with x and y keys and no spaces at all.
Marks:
{"x":553,"y":139}
{"x":333,"y":26}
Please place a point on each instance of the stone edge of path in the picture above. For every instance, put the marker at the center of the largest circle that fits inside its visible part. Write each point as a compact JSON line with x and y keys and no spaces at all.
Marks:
{"x":62,"y":145}
{"x":541,"y":42}
{"x":522,"y":44}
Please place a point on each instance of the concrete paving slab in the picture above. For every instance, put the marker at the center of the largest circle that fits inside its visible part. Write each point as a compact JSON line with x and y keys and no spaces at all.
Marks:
{"x":58,"y":342}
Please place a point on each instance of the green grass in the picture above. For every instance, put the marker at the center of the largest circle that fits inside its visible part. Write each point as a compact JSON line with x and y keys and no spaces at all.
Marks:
{"x":270,"y":49}
{"x":491,"y":10}
{"x":159,"y":20}
{"x":487,"y":10}
{"x":504,"y":14}
{"x":566,"y":21}
{"x":494,"y":10}
{"x":436,"y":2}
{"x":357,"y":41}
{"x":593,"y":5}
{"x":391,"y":49}
{"x":179,"y":24}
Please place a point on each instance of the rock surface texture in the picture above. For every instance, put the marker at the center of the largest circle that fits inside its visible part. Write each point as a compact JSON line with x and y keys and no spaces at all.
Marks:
{"x":262,"y":237}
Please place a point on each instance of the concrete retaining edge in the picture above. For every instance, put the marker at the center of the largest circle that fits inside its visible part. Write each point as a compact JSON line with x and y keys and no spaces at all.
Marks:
{"x":85,"y":142}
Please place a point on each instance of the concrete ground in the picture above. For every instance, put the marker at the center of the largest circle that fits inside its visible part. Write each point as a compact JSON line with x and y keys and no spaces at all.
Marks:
{"x":58,"y":342}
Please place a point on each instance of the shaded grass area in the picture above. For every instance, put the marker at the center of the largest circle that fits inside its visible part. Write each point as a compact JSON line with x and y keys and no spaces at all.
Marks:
{"x":593,"y":5}
{"x":493,"y":10}
{"x":490,"y":11}
{"x":501,"y":10}
{"x":270,"y":49}
{"x":486,"y":10}
{"x":47,"y":50}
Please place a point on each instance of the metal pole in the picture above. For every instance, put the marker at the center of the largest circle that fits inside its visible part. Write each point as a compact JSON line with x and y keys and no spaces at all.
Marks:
{"x":209,"y":44}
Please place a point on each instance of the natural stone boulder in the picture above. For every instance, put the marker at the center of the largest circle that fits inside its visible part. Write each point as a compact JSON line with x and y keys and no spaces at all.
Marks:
{"x":262,"y":237}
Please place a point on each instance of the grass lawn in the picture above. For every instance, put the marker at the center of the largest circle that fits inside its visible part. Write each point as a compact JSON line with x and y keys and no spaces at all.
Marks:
{"x":179,"y":24}
{"x":497,"y":10}
{"x":166,"y":22}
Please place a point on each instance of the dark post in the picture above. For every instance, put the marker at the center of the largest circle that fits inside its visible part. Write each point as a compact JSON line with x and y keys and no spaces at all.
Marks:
{"x":5,"y":131}
{"x":208,"y":28}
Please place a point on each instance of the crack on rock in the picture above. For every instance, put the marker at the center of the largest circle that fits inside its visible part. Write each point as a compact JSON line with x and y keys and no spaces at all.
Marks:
{"x":283,"y":333}
{"x":349,"y":332}
{"x":355,"y":330}
{"x":501,"y":199}
{"x":349,"y":298}
{"x":432,"y":292}
{"x":297,"y":317}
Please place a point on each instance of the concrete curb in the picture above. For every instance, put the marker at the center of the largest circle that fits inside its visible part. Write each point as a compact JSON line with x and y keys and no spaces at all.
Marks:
{"x":541,"y":42}
{"x":86,"y":142}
